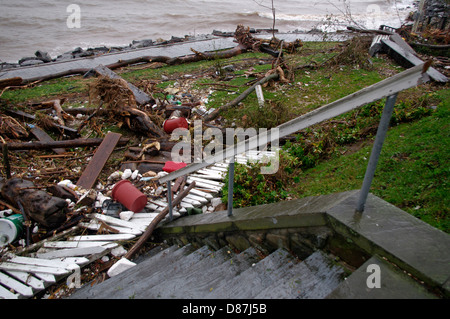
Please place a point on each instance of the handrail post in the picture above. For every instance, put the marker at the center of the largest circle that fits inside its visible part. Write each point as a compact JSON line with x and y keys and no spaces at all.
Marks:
{"x":376,"y":150}
{"x":169,"y":199}
{"x":230,"y":186}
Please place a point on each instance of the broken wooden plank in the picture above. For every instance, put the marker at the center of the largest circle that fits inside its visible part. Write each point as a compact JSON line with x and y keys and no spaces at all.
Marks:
{"x":16,"y":285}
{"x":396,"y":38}
{"x":118,"y":222}
{"x":48,"y":279}
{"x":42,"y":136}
{"x":79,"y":142}
{"x":6,"y":294}
{"x":144,"y":215}
{"x":112,"y":237}
{"x":66,"y":263}
{"x":206,"y":181}
{"x":95,"y":225}
{"x":34,"y":269}
{"x":410,"y":59}
{"x":72,"y":252}
{"x":201,"y":193}
{"x":81,"y":244}
{"x":99,"y":160}
{"x":29,"y":279}
{"x":201,"y":199}
{"x":28,"y":117}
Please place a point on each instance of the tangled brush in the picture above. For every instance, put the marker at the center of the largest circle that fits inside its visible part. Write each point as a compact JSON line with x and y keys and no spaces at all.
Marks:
{"x":354,"y":52}
{"x":114,"y":93}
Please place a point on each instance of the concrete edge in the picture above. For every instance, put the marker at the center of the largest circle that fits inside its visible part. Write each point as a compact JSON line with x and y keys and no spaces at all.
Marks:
{"x":385,"y":230}
{"x":308,"y":212}
{"x":378,"y":279}
{"x":382,"y":229}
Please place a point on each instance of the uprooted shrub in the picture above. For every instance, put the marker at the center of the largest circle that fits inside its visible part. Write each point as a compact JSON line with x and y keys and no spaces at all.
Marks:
{"x":116,"y":96}
{"x":354,"y":52}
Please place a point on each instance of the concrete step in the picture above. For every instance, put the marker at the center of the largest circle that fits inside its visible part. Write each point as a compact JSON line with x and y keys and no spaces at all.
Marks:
{"x":189,"y":273}
{"x":259,"y":276}
{"x":393,"y":283}
{"x":181,"y":283}
{"x":211,"y":280}
{"x":152,"y":277}
{"x":118,"y":286}
{"x":314,"y":278}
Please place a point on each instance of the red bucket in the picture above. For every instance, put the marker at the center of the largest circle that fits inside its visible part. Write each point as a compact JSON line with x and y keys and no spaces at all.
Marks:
{"x":171,"y":124}
{"x":129,"y":196}
{"x":170,"y":166}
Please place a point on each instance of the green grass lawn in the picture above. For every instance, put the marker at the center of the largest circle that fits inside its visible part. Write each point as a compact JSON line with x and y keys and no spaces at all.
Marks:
{"x":331,"y":157}
{"x":412,"y":173}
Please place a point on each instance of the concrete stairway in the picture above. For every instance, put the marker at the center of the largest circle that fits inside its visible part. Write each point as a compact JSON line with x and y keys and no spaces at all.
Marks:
{"x":206,"y":274}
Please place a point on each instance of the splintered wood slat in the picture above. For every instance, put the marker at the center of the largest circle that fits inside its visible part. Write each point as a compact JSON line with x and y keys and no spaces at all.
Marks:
{"x":18,"y":287}
{"x":28,"y":279}
{"x":98,"y":161}
{"x":6,"y":294}
{"x":42,"y":136}
{"x":102,"y":237}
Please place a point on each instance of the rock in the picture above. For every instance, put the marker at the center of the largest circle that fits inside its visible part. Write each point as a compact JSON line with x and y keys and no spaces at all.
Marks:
{"x":216,"y":202}
{"x":141,"y":43}
{"x":229,"y":68}
{"x":176,"y":39}
{"x":120,"y":266}
{"x":64,"y":57}
{"x":126,"y":215}
{"x":127,"y":174}
{"x":118,"y":252}
{"x":6,"y":65}
{"x":29,"y":61}
{"x":77,"y":50}
{"x":43,"y":56}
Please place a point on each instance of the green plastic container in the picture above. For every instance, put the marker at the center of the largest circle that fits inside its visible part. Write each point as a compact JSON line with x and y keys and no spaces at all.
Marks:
{"x":10,"y":228}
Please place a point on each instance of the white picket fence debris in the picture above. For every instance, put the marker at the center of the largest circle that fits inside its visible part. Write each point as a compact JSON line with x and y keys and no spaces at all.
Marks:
{"x":24,"y":277}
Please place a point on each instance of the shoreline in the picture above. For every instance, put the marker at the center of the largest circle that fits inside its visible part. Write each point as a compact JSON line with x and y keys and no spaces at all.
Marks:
{"x":43,"y":57}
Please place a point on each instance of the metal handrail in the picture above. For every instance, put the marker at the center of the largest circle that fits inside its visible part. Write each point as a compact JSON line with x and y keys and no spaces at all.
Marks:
{"x":386,"y":88}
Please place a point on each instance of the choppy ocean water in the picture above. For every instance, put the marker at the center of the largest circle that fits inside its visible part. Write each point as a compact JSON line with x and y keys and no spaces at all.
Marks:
{"x":59,"y":26}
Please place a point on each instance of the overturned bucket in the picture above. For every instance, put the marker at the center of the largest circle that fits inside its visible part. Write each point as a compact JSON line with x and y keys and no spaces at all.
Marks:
{"x":172,"y":124}
{"x":129,"y":196}
{"x":10,"y":228}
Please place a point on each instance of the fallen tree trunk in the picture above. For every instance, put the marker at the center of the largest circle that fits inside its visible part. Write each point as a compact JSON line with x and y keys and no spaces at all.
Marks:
{"x":240,"y":98}
{"x":80,"y":142}
{"x":148,"y":232}
{"x":197,"y":56}
{"x":46,"y":210}
{"x":10,"y":82}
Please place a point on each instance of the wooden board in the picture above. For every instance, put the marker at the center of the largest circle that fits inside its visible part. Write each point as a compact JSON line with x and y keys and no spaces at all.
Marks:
{"x":71,"y":252}
{"x":118,"y":222}
{"x":18,"y":287}
{"x":73,"y":133}
{"x":42,"y":136}
{"x":399,"y":52}
{"x":98,"y":161}
{"x":102,"y":237}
